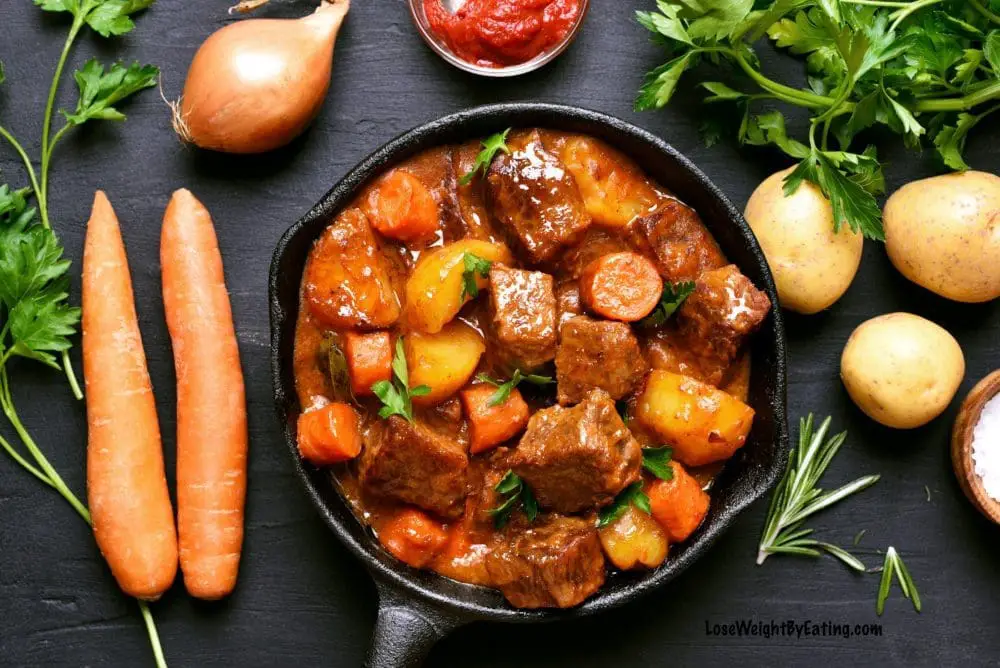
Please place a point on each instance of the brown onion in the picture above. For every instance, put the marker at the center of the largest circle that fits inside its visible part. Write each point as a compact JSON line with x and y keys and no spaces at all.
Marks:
{"x":256,"y":85}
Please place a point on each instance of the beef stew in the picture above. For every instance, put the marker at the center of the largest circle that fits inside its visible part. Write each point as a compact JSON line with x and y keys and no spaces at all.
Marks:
{"x":485,"y":491}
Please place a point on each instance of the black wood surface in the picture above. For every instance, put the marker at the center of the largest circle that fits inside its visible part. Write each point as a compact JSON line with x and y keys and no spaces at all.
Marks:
{"x":302,"y":599}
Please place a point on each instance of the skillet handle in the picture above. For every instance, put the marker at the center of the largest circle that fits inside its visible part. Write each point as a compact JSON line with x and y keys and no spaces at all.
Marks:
{"x":406,"y":630}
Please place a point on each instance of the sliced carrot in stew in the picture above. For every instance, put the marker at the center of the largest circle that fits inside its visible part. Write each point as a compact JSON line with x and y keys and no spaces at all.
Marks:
{"x":401,"y":207}
{"x":329,"y":435}
{"x":679,"y":505}
{"x":369,"y":359}
{"x":489,"y":426}
{"x":621,"y":286}
{"x":413,"y":537}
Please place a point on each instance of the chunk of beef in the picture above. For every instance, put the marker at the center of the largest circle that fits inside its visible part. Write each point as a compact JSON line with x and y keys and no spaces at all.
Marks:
{"x":412,"y":463}
{"x":535,"y":198}
{"x":577,"y":458}
{"x":676,"y":239}
{"x":723,"y":310}
{"x":522,"y":316}
{"x":348,"y":281}
{"x":668,"y":350}
{"x":567,"y":302}
{"x":597,"y":353}
{"x":555,"y":562}
{"x":595,"y":243}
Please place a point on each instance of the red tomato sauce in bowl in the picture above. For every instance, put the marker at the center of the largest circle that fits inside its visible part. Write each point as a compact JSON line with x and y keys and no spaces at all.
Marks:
{"x":499,"y":33}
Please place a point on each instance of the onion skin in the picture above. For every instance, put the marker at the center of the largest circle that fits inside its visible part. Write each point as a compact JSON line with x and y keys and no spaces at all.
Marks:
{"x":256,"y":85}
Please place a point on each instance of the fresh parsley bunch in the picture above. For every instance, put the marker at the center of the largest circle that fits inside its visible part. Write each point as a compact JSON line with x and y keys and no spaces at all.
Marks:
{"x":926,"y":69}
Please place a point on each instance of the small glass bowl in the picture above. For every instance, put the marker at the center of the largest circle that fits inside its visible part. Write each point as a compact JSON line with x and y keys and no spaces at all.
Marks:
{"x":439,"y":47}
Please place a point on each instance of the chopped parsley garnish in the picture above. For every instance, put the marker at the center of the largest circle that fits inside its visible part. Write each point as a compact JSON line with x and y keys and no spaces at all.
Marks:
{"x":515,"y":494}
{"x":657,"y":462}
{"x":671,"y":299}
{"x":631,"y":495}
{"x":504,"y":388}
{"x":491,"y":146}
{"x":397,"y":396}
{"x":474,"y":265}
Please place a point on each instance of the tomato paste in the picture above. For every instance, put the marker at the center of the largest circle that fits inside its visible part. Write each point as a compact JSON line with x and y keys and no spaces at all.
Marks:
{"x":497,"y":33}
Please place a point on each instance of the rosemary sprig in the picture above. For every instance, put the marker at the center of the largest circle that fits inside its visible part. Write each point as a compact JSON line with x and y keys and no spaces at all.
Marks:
{"x":894,"y":566}
{"x":797,"y":497}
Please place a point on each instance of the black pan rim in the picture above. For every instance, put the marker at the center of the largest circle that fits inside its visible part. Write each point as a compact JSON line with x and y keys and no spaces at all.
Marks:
{"x":398,"y":576}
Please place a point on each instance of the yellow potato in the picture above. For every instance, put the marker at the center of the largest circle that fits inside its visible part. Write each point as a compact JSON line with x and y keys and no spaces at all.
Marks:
{"x":812,"y":265}
{"x":444,"y":361}
{"x":943,"y":233}
{"x":614,"y":190}
{"x":901,"y":369}
{"x":634,"y":540}
{"x":434,"y":289}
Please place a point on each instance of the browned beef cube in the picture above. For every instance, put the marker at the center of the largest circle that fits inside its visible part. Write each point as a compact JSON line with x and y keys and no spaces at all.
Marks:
{"x":555,"y":562}
{"x":723,"y":310}
{"x":567,"y":301}
{"x":597,"y":353}
{"x":678,"y":242}
{"x":412,"y":463}
{"x":535,"y":198}
{"x":577,"y":458}
{"x":523,"y":316}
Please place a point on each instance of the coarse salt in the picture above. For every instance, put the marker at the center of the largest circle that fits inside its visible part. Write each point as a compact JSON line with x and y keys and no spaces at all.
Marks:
{"x":986,"y":447}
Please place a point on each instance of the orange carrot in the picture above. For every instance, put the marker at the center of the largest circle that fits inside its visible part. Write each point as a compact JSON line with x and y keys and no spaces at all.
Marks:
{"x":211,"y":406}
{"x":401,"y":207}
{"x":369,"y":359}
{"x":679,"y":505}
{"x":489,"y":426}
{"x":413,"y":537}
{"x":621,"y":286}
{"x":126,"y":485}
{"x":329,"y":435}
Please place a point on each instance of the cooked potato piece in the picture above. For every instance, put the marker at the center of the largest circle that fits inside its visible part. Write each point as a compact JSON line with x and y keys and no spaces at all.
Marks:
{"x":614,"y":191}
{"x":902,"y":370}
{"x":444,"y":361}
{"x":434,"y":289}
{"x":943,"y":233}
{"x":634,"y":540}
{"x":701,"y":423}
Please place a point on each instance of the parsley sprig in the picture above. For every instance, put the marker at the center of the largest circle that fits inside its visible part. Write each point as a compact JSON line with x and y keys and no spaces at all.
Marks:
{"x":925,"y":69}
{"x":504,"y":388}
{"x":630,"y":496}
{"x":657,"y":462}
{"x":797,"y":497}
{"x":894,"y":566}
{"x":491,"y":146}
{"x":474,"y":265}
{"x":516,"y":494}
{"x":397,"y":396}
{"x":671,"y":298}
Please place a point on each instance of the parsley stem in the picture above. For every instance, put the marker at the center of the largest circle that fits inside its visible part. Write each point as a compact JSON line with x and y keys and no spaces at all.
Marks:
{"x":788,"y":94}
{"x":877,"y":3}
{"x":154,"y":636}
{"x":24,"y":156}
{"x":960,"y":103}
{"x":74,"y":384}
{"x":901,"y":14}
{"x":16,"y":456}
{"x":987,"y":14}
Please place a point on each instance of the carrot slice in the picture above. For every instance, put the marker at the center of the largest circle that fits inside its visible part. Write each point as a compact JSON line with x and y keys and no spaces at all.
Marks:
{"x":413,"y":537}
{"x":679,"y":505}
{"x":329,"y":435}
{"x":369,"y":359}
{"x":621,"y":286}
{"x":126,"y":484}
{"x":401,"y":207}
{"x":211,"y":400}
{"x":489,"y":426}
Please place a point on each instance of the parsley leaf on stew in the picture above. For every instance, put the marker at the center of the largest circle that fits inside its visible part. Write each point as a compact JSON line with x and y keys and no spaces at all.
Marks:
{"x":473,"y":265}
{"x":631,"y":495}
{"x":491,"y":146}
{"x":504,"y":388}
{"x":396,"y":396}
{"x":516,"y":494}
{"x":673,"y":296}
{"x":657,"y":462}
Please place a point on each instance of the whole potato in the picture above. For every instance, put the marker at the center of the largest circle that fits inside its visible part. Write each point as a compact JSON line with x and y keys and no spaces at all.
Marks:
{"x":812,"y":265}
{"x":944,"y":233}
{"x":902,"y":370}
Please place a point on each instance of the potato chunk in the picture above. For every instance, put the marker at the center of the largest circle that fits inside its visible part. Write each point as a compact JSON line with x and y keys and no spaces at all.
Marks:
{"x":634,"y":540}
{"x":444,"y":361}
{"x":701,"y":423}
{"x":614,"y":191}
{"x":434,"y":290}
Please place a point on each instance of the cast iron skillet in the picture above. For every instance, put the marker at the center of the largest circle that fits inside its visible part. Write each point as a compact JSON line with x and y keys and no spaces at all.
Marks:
{"x":416,"y":608}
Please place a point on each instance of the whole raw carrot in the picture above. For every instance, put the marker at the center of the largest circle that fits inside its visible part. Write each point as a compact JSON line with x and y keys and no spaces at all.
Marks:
{"x":211,"y":404}
{"x":126,"y":486}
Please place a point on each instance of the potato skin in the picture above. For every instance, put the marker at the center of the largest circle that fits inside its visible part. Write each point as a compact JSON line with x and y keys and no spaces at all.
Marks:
{"x":901,"y":370}
{"x":812,"y":265}
{"x":943,"y":233}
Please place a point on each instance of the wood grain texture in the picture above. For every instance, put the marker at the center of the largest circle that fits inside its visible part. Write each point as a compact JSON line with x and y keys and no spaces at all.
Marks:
{"x":302,"y":599}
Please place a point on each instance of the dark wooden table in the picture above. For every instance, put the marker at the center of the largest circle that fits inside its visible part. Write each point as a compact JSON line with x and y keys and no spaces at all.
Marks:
{"x":302,"y":599}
